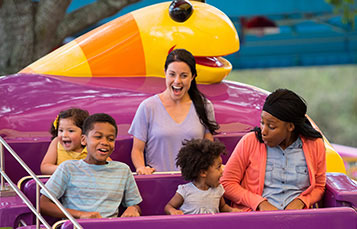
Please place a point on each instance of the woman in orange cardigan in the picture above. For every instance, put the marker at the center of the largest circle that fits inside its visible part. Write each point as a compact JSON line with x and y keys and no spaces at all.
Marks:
{"x":280,"y":165}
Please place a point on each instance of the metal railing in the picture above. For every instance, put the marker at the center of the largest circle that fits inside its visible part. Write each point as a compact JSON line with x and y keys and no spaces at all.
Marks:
{"x":36,"y":210}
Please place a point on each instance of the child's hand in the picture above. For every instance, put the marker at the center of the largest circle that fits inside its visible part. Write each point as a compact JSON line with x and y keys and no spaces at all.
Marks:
{"x":176,"y":212}
{"x":145,"y":170}
{"x":89,"y":215}
{"x":131,"y":211}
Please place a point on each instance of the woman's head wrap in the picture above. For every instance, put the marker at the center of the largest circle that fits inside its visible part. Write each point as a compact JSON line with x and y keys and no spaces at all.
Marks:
{"x":286,"y":106}
{"x":289,"y":107}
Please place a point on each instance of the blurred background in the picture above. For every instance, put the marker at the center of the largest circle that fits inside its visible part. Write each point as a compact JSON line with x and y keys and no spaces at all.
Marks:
{"x":308,"y":46}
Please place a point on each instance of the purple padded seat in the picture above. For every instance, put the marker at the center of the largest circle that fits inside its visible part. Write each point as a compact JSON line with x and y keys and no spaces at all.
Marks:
{"x":230,"y":142}
{"x":156,"y":191}
{"x":340,"y":191}
{"x":123,"y":147}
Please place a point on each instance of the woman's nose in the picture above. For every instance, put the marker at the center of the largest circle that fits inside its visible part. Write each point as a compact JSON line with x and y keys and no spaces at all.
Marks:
{"x":177,"y":79}
{"x":264,"y":130}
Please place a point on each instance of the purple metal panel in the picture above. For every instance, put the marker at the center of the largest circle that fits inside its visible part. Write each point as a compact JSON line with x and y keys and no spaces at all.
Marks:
{"x":332,"y":218}
{"x":157,"y":190}
{"x":30,"y":227}
{"x":30,"y":102}
{"x":12,"y":209}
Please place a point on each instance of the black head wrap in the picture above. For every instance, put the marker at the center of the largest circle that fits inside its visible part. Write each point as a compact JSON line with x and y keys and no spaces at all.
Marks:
{"x":286,"y":106}
{"x":289,"y":107}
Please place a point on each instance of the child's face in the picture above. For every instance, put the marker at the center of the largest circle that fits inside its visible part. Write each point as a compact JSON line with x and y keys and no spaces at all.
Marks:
{"x":214,"y":173}
{"x":69,"y":135}
{"x":100,"y":143}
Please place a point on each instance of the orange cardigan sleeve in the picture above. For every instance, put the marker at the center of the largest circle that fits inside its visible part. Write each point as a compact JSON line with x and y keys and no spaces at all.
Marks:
{"x":235,"y":171}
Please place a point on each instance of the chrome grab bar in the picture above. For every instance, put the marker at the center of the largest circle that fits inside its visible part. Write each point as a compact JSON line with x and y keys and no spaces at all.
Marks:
{"x":38,"y":183}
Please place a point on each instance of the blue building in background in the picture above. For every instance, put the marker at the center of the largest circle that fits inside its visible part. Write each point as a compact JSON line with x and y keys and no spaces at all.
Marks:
{"x":280,"y":33}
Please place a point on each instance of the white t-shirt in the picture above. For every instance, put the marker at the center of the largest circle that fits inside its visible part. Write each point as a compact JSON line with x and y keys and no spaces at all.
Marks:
{"x":197,"y":201}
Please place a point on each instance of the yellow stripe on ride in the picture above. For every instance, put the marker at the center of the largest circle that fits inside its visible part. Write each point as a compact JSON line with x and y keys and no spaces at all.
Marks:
{"x":68,"y":60}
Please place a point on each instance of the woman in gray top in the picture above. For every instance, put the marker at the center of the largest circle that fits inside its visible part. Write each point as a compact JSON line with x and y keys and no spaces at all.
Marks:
{"x":163,"y":121}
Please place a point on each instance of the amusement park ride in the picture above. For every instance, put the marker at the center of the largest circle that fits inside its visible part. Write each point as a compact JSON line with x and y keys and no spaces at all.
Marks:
{"x":113,"y":68}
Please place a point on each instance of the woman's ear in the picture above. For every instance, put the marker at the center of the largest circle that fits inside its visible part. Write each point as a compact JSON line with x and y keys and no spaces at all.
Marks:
{"x":291,"y":126}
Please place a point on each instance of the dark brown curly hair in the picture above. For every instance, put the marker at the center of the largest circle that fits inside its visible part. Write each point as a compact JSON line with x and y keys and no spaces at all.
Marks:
{"x":197,"y":155}
{"x":78,"y":116}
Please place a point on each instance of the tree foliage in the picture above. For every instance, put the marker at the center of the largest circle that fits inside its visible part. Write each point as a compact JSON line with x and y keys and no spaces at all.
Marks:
{"x":30,"y":29}
{"x":348,"y":9}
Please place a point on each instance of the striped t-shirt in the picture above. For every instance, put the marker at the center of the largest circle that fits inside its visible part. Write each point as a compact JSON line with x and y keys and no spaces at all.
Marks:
{"x":88,"y":187}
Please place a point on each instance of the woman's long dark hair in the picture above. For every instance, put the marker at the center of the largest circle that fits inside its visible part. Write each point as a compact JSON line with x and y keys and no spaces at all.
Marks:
{"x":199,"y":100}
{"x":289,"y":107}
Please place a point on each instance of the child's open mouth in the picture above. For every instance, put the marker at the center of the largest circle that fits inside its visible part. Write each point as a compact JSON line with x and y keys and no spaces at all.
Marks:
{"x":103,"y":151}
{"x":67,"y":143}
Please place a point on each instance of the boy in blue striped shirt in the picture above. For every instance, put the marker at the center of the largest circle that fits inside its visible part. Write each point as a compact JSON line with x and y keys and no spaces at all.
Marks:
{"x":93,"y":187}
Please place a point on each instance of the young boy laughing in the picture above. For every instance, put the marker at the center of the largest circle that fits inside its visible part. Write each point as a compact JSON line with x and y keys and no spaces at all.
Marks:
{"x":93,"y":187}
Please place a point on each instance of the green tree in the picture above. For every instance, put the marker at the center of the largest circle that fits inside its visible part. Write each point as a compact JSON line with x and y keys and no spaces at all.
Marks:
{"x":348,"y":8}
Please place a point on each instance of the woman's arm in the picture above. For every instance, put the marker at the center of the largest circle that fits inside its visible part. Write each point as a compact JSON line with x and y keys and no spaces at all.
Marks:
{"x":208,"y":136}
{"x":175,"y":203}
{"x":137,"y":157}
{"x":237,"y":167}
{"x":48,"y":164}
{"x":49,"y":208}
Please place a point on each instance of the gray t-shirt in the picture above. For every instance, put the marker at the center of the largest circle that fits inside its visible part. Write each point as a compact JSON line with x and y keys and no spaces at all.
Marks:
{"x":163,"y":137}
{"x":197,"y":201}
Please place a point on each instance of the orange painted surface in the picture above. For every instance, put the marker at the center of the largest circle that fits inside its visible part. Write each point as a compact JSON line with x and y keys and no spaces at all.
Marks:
{"x":117,"y":50}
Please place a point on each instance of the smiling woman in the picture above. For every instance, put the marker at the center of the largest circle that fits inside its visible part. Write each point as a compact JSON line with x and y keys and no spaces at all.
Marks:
{"x":164,"y":120}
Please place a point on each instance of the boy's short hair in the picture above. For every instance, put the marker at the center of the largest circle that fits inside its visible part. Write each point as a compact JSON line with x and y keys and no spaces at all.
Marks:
{"x":197,"y":155}
{"x":88,"y":124}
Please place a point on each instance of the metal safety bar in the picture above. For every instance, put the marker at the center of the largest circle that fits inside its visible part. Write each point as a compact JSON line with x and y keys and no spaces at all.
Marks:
{"x":38,"y":184}
{"x":2,"y":183}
